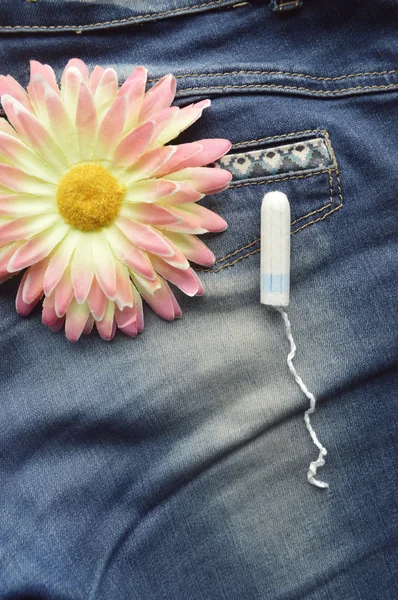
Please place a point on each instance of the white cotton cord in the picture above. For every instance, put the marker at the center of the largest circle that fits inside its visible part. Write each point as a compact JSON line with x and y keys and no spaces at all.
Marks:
{"x":322,"y":451}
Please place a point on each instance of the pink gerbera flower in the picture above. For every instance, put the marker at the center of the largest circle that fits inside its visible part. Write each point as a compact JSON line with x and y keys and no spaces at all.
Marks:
{"x":94,"y":204}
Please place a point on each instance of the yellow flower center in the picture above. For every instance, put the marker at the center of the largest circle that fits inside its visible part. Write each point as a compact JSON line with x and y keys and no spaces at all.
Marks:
{"x":89,"y":197}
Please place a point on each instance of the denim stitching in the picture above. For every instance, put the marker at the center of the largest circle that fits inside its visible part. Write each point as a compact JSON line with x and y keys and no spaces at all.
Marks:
{"x":278,"y":137}
{"x":267,"y":182}
{"x":287,"y":87}
{"x":303,"y":75}
{"x":340,"y":194}
{"x":127,"y":20}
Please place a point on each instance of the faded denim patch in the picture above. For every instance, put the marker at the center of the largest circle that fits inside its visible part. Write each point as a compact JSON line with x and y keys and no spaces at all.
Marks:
{"x":306,"y":155}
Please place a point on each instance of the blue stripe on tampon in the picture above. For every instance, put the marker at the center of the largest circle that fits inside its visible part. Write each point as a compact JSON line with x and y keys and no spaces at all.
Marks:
{"x":275,"y":284}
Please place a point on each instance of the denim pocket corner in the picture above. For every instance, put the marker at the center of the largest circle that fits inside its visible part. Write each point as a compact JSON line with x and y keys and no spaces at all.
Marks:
{"x":301,"y":164}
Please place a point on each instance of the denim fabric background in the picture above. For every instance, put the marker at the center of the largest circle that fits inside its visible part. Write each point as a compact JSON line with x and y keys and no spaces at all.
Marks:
{"x":173,"y":466}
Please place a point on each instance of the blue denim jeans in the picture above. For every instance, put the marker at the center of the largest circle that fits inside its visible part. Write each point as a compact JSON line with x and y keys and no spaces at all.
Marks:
{"x":173,"y":466}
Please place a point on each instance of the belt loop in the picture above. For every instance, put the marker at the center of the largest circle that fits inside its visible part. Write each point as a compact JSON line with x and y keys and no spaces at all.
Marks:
{"x":281,"y":6}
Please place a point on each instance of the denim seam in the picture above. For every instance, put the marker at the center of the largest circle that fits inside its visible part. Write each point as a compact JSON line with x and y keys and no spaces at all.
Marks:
{"x":282,"y":4}
{"x":114,"y":22}
{"x":303,"y":75}
{"x":290,"y":87}
{"x":283,"y":136}
{"x":339,"y":193}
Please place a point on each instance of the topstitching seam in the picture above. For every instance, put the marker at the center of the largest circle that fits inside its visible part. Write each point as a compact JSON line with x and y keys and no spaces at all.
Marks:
{"x":303,"y":75}
{"x":114,"y":22}
{"x":291,"y":87}
{"x":279,"y":137}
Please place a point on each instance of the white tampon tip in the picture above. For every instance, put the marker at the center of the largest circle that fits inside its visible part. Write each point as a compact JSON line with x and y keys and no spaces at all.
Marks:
{"x":275,"y":249}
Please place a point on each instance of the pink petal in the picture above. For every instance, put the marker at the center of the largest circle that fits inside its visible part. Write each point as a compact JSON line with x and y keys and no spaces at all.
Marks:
{"x":23,"y":228}
{"x":178,"y":258}
{"x":70,"y":88}
{"x":188,"y":223}
{"x":37,"y":248}
{"x":33,"y":287}
{"x":97,"y":300}
{"x":89,"y":325}
{"x":150,"y":285}
{"x":206,"y":218}
{"x":124,"y":295}
{"x":8,"y":85}
{"x":134,"y":95}
{"x":61,"y":126}
{"x":104,"y":265}
{"x":57,"y":325}
{"x":24,"y":308}
{"x":63,"y":294}
{"x":160,"y":301}
{"x":5,"y":278}
{"x":152,"y":190}
{"x":139,"y":309}
{"x":134,"y":89}
{"x":59,"y":262}
{"x":5,"y":256}
{"x":45,"y":71}
{"x":36,"y":89}
{"x":31,"y":130}
{"x":203,"y":179}
{"x":76,"y":319}
{"x":23,"y":205}
{"x":129,"y":254}
{"x":151,"y":214}
{"x":21,"y":155}
{"x":49,"y":316}
{"x":106,"y":327}
{"x":19,"y":181}
{"x":183,"y":153}
{"x":212,"y":149}
{"x":107,"y":89}
{"x":86,"y":121}
{"x":183,"y":195}
{"x":160,"y":96}
{"x":149,"y":163}
{"x":95,"y":78}
{"x":182,"y":120}
{"x":176,"y":306}
{"x":80,"y":66}
{"x":5,"y":127}
{"x":125,"y":316}
{"x":125,"y":322}
{"x":111,"y":129}
{"x":163,"y":119}
{"x":82,"y":269}
{"x":136,"y":79}
{"x":144,"y":236}
{"x":185,"y":279}
{"x":193,"y":248}
{"x":133,"y":145}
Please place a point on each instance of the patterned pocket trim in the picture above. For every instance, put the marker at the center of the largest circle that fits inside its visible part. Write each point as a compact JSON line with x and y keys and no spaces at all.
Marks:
{"x":306,"y":155}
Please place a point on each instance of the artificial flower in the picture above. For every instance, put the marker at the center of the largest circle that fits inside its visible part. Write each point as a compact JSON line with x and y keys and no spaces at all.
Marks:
{"x":95,"y":204}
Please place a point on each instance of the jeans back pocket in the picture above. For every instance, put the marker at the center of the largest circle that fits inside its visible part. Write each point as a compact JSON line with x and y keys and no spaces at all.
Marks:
{"x":303,"y":165}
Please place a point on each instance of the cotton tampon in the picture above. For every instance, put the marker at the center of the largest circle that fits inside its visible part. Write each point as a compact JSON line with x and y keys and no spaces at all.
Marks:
{"x":275,"y":249}
{"x":275,"y":289}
